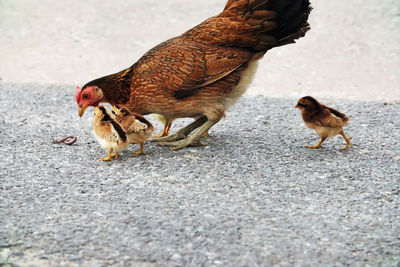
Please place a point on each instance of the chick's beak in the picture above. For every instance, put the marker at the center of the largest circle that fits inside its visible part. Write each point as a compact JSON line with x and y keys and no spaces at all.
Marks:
{"x":297,"y":106}
{"x":82,"y":110}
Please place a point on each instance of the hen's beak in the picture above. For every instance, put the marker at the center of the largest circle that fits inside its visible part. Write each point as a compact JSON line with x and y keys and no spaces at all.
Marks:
{"x":82,"y":110}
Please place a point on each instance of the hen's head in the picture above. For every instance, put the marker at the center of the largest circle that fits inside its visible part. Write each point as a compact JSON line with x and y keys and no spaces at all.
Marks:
{"x":89,"y":95}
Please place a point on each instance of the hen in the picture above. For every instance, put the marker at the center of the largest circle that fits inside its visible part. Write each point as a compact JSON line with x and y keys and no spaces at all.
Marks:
{"x":205,"y":70}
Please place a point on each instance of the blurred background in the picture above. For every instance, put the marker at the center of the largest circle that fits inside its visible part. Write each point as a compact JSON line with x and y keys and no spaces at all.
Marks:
{"x":352,"y":51}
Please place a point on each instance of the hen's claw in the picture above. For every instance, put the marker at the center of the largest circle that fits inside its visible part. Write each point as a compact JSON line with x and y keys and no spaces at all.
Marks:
{"x":184,"y":143}
{"x":192,"y":140}
{"x":182,"y":133}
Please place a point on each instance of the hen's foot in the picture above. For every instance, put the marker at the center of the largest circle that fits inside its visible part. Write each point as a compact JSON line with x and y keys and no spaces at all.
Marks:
{"x":182,"y":133}
{"x":186,"y":142}
{"x":192,"y":140}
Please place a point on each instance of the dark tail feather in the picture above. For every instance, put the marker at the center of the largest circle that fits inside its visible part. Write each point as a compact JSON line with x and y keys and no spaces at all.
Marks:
{"x":274,"y":22}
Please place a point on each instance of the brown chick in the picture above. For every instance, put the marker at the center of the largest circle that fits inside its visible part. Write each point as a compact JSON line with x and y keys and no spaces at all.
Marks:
{"x":137,"y":128}
{"x":324,"y":120}
{"x":109,"y":133}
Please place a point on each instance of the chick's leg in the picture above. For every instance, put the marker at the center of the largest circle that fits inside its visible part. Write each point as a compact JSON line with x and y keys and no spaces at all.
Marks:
{"x":191,"y":140}
{"x":319,"y":143}
{"x":109,"y":158}
{"x":184,"y":132}
{"x":141,"y":151}
{"x":347,"y":139}
{"x":165,"y":131}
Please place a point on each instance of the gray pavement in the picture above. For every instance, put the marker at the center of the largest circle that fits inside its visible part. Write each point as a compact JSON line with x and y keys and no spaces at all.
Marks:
{"x":254,"y":197}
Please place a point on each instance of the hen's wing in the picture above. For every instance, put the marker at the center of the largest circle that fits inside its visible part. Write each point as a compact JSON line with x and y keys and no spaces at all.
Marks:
{"x":330,"y":117}
{"x":181,"y":67}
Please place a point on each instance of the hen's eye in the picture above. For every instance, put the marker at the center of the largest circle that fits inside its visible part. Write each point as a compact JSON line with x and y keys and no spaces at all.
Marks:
{"x":85,"y":96}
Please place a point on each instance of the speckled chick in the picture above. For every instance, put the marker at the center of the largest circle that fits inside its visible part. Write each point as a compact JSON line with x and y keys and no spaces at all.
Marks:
{"x":324,"y":120}
{"x":137,"y":128}
{"x":109,"y":133}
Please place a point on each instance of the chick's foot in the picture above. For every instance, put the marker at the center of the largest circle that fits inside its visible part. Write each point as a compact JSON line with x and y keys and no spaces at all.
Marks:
{"x":140,"y":152}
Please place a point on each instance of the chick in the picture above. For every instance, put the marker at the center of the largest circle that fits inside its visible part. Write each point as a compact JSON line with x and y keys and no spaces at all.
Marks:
{"x":109,"y":133}
{"x":325,"y":120}
{"x":137,"y":128}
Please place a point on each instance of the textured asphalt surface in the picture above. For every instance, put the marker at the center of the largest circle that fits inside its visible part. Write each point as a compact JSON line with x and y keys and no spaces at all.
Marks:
{"x":254,"y":196}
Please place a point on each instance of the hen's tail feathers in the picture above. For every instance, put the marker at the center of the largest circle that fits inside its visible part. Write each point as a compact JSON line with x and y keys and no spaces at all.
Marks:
{"x":271,"y":22}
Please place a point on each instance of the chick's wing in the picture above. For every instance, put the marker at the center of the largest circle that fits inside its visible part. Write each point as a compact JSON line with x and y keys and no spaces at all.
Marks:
{"x":327,"y":118}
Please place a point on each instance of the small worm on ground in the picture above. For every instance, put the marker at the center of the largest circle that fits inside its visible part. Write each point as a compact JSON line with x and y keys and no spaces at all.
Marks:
{"x":65,"y":140}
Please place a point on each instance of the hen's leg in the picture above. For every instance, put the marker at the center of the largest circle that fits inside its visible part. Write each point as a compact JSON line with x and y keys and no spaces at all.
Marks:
{"x":348,"y":143}
{"x":184,"y":132}
{"x":191,"y":140}
{"x":319,"y":143}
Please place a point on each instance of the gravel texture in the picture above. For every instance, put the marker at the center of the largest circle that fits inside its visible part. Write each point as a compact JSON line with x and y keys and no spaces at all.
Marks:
{"x":254,"y":197}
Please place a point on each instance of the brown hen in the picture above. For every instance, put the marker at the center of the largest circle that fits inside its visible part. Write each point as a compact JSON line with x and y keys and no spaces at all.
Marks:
{"x":204,"y":71}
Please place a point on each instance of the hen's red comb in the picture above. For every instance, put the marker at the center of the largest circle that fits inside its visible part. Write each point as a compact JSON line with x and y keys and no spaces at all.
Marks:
{"x":78,"y":93}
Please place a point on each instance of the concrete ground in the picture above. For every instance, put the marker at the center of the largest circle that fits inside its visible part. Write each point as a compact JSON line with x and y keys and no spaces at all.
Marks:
{"x":254,"y":197}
